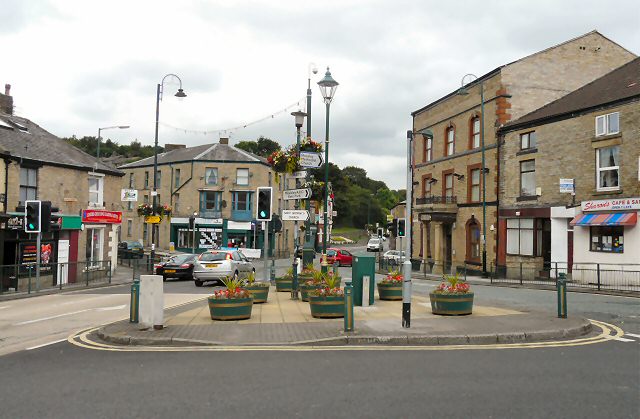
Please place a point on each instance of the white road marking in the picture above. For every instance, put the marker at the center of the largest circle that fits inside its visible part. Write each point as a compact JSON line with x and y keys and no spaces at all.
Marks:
{"x":112,"y":308}
{"x":632,"y":335}
{"x":51,"y":317}
{"x":46,"y":344}
{"x":622,"y":339}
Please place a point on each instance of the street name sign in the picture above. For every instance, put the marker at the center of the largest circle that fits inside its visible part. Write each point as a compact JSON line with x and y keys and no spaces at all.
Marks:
{"x":301,"y":174}
{"x":297,"y":194}
{"x":295,"y":215}
{"x":310,"y":159}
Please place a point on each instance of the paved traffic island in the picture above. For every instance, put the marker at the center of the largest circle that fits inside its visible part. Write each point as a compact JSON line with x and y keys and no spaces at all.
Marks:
{"x":282,"y":321}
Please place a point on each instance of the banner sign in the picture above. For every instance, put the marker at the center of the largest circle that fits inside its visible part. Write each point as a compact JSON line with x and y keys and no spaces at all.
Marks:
{"x":611,"y":204}
{"x":129,"y":195}
{"x":101,"y":216}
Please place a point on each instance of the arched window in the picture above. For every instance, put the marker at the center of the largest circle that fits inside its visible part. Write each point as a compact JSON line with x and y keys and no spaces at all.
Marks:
{"x":450,"y":136}
{"x":473,"y":240}
{"x":474,"y":132}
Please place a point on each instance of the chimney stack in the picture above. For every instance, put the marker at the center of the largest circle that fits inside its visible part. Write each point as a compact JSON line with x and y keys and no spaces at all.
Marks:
{"x":7,"y":89}
{"x":6,"y":101}
{"x":224,"y":140}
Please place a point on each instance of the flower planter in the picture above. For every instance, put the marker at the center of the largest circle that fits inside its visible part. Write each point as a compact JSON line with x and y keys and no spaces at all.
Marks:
{"x":390,"y":290}
{"x":260,"y":293}
{"x":230,"y":308}
{"x":306,"y":289}
{"x":283,"y":284}
{"x":451,"y":304}
{"x":326,"y":307}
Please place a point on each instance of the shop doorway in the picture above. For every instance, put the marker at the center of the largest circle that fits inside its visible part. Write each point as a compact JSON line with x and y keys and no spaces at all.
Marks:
{"x":448,"y":246}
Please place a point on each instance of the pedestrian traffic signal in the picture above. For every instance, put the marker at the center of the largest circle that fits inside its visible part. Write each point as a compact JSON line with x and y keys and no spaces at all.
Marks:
{"x":263,"y":209}
{"x":401,"y":227}
{"x":48,"y":219}
{"x":32,"y":213}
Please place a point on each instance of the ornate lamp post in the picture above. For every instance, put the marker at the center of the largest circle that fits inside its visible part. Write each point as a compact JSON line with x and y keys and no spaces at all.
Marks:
{"x":463,"y":91}
{"x":328,"y":88}
{"x":180,"y":94}
{"x":299,"y":116}
{"x":311,"y":68}
{"x":102,"y":129}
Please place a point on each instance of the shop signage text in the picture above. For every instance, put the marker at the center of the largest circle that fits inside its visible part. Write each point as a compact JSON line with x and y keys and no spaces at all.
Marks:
{"x":101,"y":217}
{"x":612,"y":204}
{"x":129,"y":195}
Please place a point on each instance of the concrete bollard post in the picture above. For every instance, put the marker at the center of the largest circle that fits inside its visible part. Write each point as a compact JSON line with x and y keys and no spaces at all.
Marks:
{"x":151,"y":302}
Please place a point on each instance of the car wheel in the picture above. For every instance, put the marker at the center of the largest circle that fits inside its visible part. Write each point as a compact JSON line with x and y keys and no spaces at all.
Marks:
{"x":235,"y":275}
{"x":198,"y":283}
{"x":164,"y":278}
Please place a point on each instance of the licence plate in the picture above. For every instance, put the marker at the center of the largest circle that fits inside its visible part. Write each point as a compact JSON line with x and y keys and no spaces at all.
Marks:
{"x":170,"y":271}
{"x":212,"y":265}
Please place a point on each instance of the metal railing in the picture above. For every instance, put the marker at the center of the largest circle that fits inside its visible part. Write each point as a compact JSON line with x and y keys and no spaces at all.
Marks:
{"x":437,"y":199}
{"x":22,"y":278}
{"x":140,"y":263}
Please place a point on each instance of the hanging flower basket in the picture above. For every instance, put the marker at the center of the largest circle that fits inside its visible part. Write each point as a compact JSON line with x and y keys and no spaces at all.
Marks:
{"x":317,"y":190}
{"x":309,"y":145}
{"x":284,"y":161}
{"x":144,"y":210}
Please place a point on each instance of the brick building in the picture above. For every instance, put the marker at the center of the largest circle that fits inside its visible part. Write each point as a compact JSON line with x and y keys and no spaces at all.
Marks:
{"x":587,"y":142}
{"x":38,"y":165}
{"x":215,"y":181}
{"x":447,"y":215}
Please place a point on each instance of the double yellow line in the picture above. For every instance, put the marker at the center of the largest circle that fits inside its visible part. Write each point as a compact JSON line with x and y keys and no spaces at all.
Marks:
{"x":607,"y":332}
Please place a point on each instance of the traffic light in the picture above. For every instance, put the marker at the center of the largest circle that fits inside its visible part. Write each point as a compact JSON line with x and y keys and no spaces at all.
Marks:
{"x":394,"y":227}
{"x":380,"y":232}
{"x":263,"y":209}
{"x":401,"y":227}
{"x":49,"y":221}
{"x":32,"y":217}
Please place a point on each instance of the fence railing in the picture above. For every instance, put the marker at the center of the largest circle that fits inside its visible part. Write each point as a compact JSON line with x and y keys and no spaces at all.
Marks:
{"x":140,"y":263}
{"x":22,"y":278}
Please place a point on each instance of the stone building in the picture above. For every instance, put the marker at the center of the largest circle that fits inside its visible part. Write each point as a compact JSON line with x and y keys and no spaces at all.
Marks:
{"x":570,"y":180}
{"x":217,"y":182}
{"x":448,"y":211}
{"x":37,"y":165}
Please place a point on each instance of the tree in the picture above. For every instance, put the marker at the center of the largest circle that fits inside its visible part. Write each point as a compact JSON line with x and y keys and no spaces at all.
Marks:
{"x":262,"y":146}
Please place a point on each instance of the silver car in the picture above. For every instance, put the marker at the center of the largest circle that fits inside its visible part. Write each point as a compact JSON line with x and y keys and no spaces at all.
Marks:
{"x":393,"y":257}
{"x":218,"y":264}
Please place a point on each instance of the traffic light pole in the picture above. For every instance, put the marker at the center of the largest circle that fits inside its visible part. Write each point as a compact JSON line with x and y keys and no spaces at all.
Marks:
{"x":38,"y":260}
{"x":266,"y":251}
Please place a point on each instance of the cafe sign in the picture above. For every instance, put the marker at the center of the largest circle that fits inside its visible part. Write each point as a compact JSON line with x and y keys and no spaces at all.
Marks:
{"x":611,"y":204}
{"x":101,"y":216}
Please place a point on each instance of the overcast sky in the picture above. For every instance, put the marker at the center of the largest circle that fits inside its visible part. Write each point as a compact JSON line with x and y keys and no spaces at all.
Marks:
{"x":75,"y":66}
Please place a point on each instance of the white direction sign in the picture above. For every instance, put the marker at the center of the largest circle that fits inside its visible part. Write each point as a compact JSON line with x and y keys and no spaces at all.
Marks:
{"x":297,"y":194}
{"x":310,"y":159}
{"x":299,"y":174}
{"x":295,"y":215}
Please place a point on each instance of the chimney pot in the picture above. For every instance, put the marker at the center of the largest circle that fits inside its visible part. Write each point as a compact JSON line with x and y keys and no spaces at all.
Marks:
{"x":7,"y":89}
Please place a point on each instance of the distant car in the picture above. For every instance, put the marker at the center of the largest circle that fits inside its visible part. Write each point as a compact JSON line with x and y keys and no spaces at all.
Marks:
{"x":218,"y":264}
{"x":342,"y":256}
{"x":177,"y":266}
{"x":130,"y":249}
{"x":375,"y":245}
{"x":393,"y":257}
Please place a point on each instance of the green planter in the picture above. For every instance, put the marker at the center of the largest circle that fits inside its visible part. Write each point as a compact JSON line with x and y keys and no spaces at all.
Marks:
{"x":283,"y":284}
{"x":390,"y":291}
{"x":230,"y":308}
{"x":326,"y":307}
{"x":451,"y":304}
{"x":260,"y":293}
{"x":306,"y":289}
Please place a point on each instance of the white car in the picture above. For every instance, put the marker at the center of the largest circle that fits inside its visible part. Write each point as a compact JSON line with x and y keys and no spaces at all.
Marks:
{"x":375,"y":245}
{"x":218,"y":264}
{"x":394,"y":256}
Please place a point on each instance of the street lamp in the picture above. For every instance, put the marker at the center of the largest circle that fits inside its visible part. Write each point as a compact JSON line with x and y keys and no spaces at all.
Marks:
{"x":311,"y":68}
{"x":299,"y":117}
{"x":101,"y":129}
{"x":328,"y":88}
{"x":179,"y":94}
{"x":483,"y":170}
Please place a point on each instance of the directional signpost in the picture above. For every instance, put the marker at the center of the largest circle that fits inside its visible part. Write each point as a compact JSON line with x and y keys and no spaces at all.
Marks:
{"x":295,"y":215}
{"x":310,"y":159}
{"x":297,"y":194}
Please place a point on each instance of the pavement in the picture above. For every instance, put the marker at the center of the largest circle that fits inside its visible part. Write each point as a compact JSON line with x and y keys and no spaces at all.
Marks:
{"x":282,"y":321}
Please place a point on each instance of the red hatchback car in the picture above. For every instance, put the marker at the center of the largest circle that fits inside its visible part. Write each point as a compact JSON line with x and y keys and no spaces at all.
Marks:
{"x":342,"y":256}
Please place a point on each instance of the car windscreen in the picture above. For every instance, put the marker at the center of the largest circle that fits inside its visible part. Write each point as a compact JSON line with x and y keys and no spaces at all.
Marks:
{"x":374,"y":241}
{"x":208,"y":257}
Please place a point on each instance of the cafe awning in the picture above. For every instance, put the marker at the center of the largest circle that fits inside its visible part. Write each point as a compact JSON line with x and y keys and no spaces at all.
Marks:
{"x":606,"y":219}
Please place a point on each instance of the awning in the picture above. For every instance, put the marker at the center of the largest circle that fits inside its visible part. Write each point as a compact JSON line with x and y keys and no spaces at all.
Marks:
{"x":606,"y":219}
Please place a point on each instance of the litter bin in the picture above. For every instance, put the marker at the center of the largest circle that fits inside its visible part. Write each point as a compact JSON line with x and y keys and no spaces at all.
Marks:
{"x":308,"y":254}
{"x":415,"y":264}
{"x":364,"y":266}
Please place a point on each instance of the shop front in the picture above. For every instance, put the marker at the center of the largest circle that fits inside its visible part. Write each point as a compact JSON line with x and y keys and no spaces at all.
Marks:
{"x":101,"y":238}
{"x":207,"y":234}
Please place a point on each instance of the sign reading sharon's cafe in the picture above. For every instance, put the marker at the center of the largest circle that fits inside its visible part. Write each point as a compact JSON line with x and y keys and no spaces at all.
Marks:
{"x":101,"y":216}
{"x":612,"y":204}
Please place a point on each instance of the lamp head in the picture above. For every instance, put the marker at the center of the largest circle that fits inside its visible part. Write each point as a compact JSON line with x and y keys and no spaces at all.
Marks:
{"x":462,"y":91}
{"x":328,"y":87}
{"x":299,"y":116}
{"x":123,"y":126}
{"x":181,"y":93}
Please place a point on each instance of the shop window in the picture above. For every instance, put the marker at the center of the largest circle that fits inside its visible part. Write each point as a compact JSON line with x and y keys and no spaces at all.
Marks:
{"x":473,"y":241}
{"x":94,"y":247}
{"x":528,"y":178}
{"x":96,"y":187}
{"x":211,"y":176}
{"x":242,"y":177}
{"x":28,"y":184}
{"x":475,"y":133}
{"x":528,"y":140}
{"x":608,"y":124}
{"x":607,"y":239}
{"x":608,"y":167}
{"x":520,"y":234}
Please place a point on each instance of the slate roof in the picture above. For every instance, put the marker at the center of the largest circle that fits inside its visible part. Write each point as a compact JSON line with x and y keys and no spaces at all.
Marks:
{"x":223,"y":153}
{"x":620,"y":84}
{"x":22,"y":138}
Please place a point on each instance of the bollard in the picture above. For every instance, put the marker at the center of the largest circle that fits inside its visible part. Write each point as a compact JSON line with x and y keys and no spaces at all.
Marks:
{"x":348,"y":307}
{"x":134,"y":307}
{"x":561,"y":286}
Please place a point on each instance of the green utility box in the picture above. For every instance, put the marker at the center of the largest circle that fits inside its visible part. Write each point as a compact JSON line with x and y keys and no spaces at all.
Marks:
{"x":363,"y":266}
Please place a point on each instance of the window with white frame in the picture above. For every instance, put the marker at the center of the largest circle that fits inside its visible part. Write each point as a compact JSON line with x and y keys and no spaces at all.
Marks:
{"x":93,"y":252}
{"x":608,"y":168}
{"x":242,"y":176}
{"x":608,"y":124}
{"x":520,"y":233}
{"x":96,"y":189}
{"x":528,"y":140}
{"x":211,"y":176}
{"x":28,"y":184}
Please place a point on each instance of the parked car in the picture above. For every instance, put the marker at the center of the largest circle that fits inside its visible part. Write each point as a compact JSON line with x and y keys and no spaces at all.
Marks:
{"x":375,"y":245}
{"x":177,"y":266}
{"x":130,"y":249}
{"x":218,"y":264}
{"x":342,"y":256}
{"x":393,"y":257}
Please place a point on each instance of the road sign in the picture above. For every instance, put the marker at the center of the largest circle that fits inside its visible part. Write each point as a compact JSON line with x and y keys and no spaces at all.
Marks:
{"x":309,"y":159}
{"x":152,"y":219}
{"x":295,"y":215}
{"x":296,"y":194}
{"x":301,"y":174}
